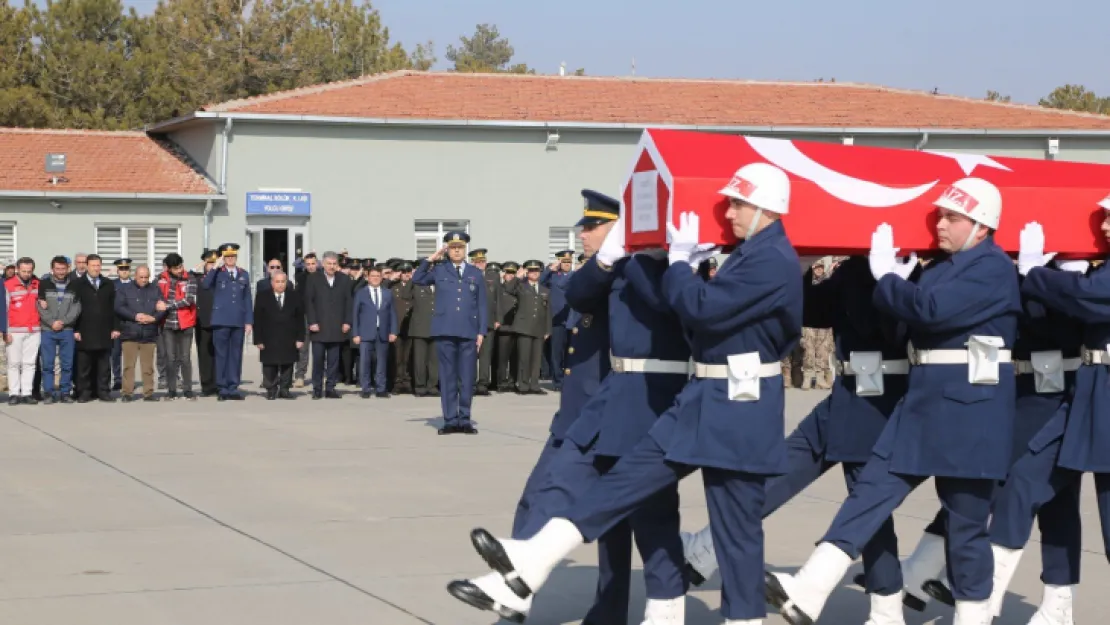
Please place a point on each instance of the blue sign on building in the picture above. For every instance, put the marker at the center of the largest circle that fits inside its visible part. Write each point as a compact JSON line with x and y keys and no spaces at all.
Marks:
{"x":279,"y":203}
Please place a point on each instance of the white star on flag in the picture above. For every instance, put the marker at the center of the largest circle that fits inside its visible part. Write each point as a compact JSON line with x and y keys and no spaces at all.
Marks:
{"x":968,"y":162}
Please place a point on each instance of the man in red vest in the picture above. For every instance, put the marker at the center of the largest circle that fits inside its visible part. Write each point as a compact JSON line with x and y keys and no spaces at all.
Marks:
{"x":180,"y":296}
{"x":22,"y":336}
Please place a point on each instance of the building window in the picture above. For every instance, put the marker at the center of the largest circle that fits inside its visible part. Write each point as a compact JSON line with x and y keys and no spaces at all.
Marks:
{"x":7,"y":243}
{"x":561,"y":238}
{"x":144,"y":245}
{"x":430,"y":233}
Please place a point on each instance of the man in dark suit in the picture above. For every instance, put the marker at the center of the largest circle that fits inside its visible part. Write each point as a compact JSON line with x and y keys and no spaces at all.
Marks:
{"x":206,"y":350}
{"x":279,"y":334}
{"x":459,"y":327}
{"x":532,"y":325}
{"x":96,"y":328}
{"x":374,"y":328}
{"x":263,"y":283}
{"x":327,"y":302}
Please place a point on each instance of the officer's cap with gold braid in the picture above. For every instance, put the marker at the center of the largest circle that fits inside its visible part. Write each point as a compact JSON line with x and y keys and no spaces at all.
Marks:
{"x":478,"y":255}
{"x":210,"y":256}
{"x":533,"y":265}
{"x":567,"y":255}
{"x":123,"y":264}
{"x":510,"y":267}
{"x":229,"y":249}
{"x":599,"y":208}
{"x":456,"y":237}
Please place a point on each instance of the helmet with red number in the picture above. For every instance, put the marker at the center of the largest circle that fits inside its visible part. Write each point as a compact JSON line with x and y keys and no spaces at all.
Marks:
{"x":976,"y":198}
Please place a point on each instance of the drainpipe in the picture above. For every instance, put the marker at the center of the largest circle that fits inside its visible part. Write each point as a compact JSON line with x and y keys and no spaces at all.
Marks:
{"x":207,"y":215}
{"x":223,"y":158}
{"x":920,"y":144}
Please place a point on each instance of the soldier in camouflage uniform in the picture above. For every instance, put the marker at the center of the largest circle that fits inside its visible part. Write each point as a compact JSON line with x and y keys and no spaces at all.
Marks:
{"x":817,"y":342}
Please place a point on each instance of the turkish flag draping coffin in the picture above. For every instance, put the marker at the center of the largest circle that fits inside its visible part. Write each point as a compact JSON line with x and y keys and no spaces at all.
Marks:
{"x":840,"y":193}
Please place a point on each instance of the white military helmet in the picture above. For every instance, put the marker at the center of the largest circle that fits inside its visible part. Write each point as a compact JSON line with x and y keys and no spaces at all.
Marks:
{"x":1105,"y":203}
{"x":976,"y":198}
{"x":761,"y":185}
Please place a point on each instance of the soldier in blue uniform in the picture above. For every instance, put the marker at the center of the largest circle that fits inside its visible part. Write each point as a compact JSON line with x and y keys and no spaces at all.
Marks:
{"x":123,"y":276}
{"x":232,"y":317}
{"x":955,"y":422}
{"x":556,"y":277}
{"x":586,"y":365}
{"x":728,"y":419}
{"x":1045,"y":481}
{"x":872,"y":368}
{"x":458,"y":327}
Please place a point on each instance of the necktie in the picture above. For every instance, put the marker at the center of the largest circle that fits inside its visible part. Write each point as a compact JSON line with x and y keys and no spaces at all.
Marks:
{"x":536,"y":288}
{"x":460,"y":272}
{"x":374,"y":292}
{"x":280,"y":303}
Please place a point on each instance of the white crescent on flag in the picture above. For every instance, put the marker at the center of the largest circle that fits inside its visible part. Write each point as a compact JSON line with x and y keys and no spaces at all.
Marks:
{"x":785,"y":155}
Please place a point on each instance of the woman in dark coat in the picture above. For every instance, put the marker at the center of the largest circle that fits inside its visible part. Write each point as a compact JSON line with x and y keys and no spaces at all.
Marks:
{"x":279,"y":334}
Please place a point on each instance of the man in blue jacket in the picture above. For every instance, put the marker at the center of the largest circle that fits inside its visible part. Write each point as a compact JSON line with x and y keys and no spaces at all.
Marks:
{"x":458,"y":327}
{"x":374,"y":327}
{"x":232,"y":318}
{"x":956,"y":421}
{"x":556,"y":278}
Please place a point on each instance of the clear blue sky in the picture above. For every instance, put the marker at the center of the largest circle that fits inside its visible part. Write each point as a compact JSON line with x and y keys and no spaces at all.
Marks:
{"x":1023,"y":48}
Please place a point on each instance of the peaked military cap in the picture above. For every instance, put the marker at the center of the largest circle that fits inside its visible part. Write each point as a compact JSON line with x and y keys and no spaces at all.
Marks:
{"x":123,"y":263}
{"x":456,"y":237}
{"x":478,"y":255}
{"x":229,"y":249}
{"x":406,"y":266}
{"x":210,"y":256}
{"x":533,"y":265}
{"x":510,"y":267}
{"x":371,"y":262}
{"x":565,"y":255}
{"x":493,"y":267}
{"x":598,"y":208}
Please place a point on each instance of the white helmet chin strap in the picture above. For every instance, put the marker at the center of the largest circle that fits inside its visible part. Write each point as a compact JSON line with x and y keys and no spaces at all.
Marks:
{"x":970,"y":237}
{"x":755,"y":223}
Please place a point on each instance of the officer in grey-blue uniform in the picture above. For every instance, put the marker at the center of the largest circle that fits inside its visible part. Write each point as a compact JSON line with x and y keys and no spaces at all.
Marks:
{"x":1075,"y":440}
{"x":557,"y":280}
{"x":232,"y":318}
{"x":562,"y":465}
{"x":842,"y":429}
{"x":458,"y":327}
{"x":955,"y":422}
{"x":123,"y":276}
{"x":727,"y":421}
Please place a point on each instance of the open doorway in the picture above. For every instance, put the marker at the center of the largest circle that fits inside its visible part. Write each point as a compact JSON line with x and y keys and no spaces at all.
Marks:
{"x":275,"y":244}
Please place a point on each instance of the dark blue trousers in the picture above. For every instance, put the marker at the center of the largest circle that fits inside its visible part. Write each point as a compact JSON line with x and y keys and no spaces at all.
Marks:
{"x":117,"y":361}
{"x":325,"y":361}
{"x":967,"y":502}
{"x":735,"y":517}
{"x":458,"y":365}
{"x":1037,"y":488}
{"x":228,"y":342}
{"x":375,"y":353}
{"x":805,"y":464}
{"x":558,"y":353}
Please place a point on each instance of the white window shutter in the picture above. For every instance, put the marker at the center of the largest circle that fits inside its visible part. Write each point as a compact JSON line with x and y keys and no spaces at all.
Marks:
{"x":166,"y":241}
{"x":7,"y":243}
{"x":109,"y":243}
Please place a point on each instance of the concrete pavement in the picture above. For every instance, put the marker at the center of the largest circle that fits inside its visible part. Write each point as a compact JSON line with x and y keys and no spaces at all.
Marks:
{"x":334,"y":512}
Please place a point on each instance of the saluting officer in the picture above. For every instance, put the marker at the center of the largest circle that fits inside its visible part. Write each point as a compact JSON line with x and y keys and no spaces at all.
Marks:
{"x":458,"y":328}
{"x":123,"y":276}
{"x":728,"y":419}
{"x":425,"y":362}
{"x":493,"y":294}
{"x":532,"y":325}
{"x":556,"y":277}
{"x":872,"y":372}
{"x":956,"y":420}
{"x":206,"y":349}
{"x":232,"y":318}
{"x":402,"y":347}
{"x":506,"y":337}
{"x":554,"y":479}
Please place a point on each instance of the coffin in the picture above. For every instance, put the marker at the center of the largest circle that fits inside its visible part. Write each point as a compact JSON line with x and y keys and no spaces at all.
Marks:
{"x":840,"y":193}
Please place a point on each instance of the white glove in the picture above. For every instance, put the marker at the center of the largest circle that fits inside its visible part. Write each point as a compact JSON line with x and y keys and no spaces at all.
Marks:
{"x":704,"y":252}
{"x":1078,"y":266}
{"x":1031,"y":251}
{"x":684,"y":240}
{"x":612,"y":248}
{"x":884,"y":256}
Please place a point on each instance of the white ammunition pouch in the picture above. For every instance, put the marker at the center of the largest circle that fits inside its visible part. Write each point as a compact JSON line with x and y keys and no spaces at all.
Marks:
{"x":867,"y":368}
{"x":984,"y":353}
{"x":1048,"y":371}
{"x":743,"y":373}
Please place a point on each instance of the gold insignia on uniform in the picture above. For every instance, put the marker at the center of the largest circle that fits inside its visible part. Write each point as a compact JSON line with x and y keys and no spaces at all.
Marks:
{"x":587,"y":320}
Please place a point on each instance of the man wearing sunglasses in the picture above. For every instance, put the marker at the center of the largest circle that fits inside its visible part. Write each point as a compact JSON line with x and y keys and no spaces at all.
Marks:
{"x":263,"y":283}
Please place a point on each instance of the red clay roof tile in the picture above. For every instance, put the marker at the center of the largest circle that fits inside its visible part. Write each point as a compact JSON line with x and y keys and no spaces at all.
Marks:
{"x":106,"y":162}
{"x":647,"y":101}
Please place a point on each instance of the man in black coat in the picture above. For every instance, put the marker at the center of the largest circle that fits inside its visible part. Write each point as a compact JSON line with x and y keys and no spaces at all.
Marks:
{"x":96,"y":328}
{"x":279,"y":334}
{"x":206,"y":351}
{"x":327,"y":303}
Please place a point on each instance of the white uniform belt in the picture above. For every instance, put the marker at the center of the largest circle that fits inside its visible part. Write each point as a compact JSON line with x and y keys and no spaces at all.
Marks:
{"x":918,"y":357}
{"x":649,"y":365}
{"x":1094,"y":356}
{"x":889,"y":367}
{"x":720,"y":372}
{"x":1025,"y":367}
